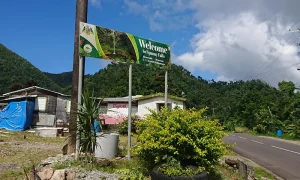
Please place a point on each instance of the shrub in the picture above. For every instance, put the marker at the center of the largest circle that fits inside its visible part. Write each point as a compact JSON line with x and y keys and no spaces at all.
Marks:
{"x":260,"y":129}
{"x":241,"y":130}
{"x":183,"y":135}
{"x":123,"y":126}
{"x":293,"y":129}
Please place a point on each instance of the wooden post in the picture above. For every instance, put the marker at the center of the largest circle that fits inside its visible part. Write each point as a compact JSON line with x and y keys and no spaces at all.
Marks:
{"x":81,"y":16}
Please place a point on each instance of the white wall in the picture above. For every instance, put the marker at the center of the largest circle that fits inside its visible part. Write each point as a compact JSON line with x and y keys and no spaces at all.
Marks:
{"x":152,"y":104}
{"x":120,"y":109}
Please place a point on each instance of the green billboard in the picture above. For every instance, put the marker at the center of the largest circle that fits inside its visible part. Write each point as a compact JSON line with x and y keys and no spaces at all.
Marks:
{"x":104,"y":43}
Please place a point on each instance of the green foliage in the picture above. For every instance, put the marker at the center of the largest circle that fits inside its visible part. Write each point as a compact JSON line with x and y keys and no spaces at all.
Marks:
{"x":181,"y":134}
{"x":130,"y":174}
{"x":261,"y":129}
{"x":16,"y":73}
{"x":88,"y":112}
{"x":172,"y":167}
{"x":267,"y":122}
{"x":287,"y":87}
{"x":293,"y":129}
{"x":123,"y":126}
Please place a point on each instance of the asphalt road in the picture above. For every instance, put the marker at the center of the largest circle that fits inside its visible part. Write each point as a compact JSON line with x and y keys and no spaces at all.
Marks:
{"x":281,"y":158}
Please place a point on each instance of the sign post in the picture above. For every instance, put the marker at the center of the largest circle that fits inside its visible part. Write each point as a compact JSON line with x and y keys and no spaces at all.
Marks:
{"x":80,"y":79}
{"x":104,"y":43}
{"x":129,"y":110}
{"x":166,"y":89}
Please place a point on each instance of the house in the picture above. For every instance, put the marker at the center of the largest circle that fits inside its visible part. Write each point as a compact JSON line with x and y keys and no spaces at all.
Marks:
{"x":114,"y":110}
{"x":50,"y":106}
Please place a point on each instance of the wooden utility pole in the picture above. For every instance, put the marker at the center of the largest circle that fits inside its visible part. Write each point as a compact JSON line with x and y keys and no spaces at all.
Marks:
{"x":81,"y":16}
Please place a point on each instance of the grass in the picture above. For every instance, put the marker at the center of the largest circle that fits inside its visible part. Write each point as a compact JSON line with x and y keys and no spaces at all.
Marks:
{"x":241,"y":130}
{"x":131,"y":169}
{"x":17,"y":153}
{"x":284,"y":136}
{"x":259,"y":173}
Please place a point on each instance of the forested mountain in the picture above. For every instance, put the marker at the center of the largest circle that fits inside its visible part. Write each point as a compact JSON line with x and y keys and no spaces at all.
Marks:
{"x":64,"y":79}
{"x":253,"y":104}
{"x":16,"y":73}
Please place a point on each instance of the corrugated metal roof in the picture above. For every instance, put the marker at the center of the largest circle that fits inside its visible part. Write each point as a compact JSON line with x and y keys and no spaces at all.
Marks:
{"x":18,"y":97}
{"x":35,"y":87}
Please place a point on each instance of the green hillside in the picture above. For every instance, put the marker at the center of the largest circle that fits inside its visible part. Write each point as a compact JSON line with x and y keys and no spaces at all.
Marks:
{"x":62,"y":79}
{"x":16,"y":73}
{"x":252,"y":104}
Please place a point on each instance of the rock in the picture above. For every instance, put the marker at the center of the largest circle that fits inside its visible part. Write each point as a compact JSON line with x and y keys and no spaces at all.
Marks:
{"x":103,"y":162}
{"x":65,"y":149}
{"x":48,"y":161}
{"x":80,"y":175}
{"x":46,"y":173}
{"x":59,"y":175}
{"x":70,"y":175}
{"x":231,"y":162}
{"x":73,"y":154}
{"x":118,"y":158}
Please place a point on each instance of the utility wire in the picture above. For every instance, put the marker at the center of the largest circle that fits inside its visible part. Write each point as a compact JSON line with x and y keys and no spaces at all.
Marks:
{"x":255,"y":69}
{"x":275,"y":71}
{"x":263,"y":63}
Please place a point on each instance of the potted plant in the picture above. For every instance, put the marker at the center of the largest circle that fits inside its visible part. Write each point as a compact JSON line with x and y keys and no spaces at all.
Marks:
{"x":180,"y":144}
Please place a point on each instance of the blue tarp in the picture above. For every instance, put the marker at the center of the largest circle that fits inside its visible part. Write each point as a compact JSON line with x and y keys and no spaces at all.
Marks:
{"x":17,"y":116}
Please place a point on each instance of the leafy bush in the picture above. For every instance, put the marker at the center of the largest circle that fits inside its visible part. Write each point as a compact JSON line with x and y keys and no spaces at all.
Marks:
{"x":260,"y":129}
{"x":266,"y":122}
{"x":293,"y":129}
{"x":183,"y":135}
{"x":123,"y":126}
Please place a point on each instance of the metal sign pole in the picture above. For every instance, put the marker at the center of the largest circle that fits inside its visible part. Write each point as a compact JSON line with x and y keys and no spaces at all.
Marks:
{"x":166,"y":89}
{"x":129,"y":110}
{"x":80,"y":80}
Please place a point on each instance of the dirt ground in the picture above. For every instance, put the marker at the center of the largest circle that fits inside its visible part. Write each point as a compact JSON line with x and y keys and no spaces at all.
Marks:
{"x":22,"y":150}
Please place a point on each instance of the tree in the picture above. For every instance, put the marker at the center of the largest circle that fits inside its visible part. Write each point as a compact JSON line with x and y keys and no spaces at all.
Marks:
{"x":287,"y":87}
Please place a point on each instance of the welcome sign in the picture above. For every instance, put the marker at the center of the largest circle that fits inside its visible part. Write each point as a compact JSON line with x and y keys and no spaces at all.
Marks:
{"x":104,"y":43}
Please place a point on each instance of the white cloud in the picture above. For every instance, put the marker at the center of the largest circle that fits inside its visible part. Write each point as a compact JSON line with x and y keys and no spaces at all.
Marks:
{"x":237,"y":46}
{"x":95,"y":3}
{"x":235,"y":38}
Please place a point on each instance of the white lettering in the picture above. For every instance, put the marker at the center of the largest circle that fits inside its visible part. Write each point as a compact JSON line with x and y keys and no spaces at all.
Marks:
{"x":152,"y":47}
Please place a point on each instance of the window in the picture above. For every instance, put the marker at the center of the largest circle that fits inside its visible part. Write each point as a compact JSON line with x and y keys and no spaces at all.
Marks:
{"x":159,"y":106}
{"x":40,"y":104}
{"x":68,"y":106}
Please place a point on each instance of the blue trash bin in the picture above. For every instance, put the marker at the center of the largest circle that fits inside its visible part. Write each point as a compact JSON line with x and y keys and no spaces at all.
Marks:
{"x":278,"y":132}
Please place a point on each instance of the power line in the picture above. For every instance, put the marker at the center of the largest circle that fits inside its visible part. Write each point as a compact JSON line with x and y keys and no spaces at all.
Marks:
{"x":255,"y":69}
{"x":265,"y":62}
{"x":274,"y":71}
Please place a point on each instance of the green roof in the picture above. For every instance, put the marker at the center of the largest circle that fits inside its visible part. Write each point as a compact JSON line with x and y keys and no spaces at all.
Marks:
{"x":159,"y":95}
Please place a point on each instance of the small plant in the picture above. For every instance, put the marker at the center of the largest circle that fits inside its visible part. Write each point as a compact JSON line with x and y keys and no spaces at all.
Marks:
{"x":172,"y":167}
{"x":123,"y":126}
{"x":184,"y":136}
{"x":88,"y":112}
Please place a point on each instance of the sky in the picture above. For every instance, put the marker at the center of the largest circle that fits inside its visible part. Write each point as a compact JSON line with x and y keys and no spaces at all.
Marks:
{"x":215,"y":39}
